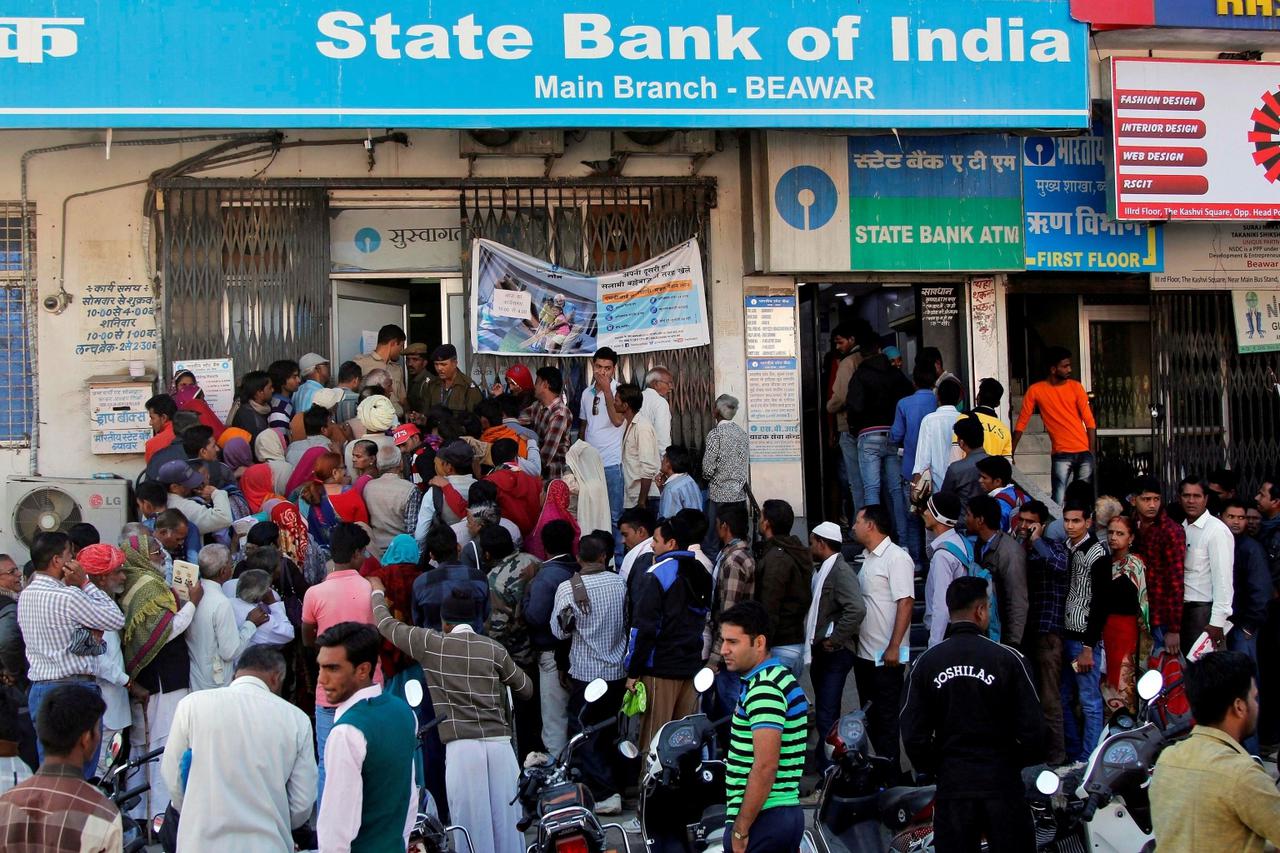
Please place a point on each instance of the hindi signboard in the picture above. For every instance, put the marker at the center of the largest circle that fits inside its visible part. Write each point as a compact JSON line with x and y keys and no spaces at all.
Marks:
{"x":1220,"y":255}
{"x":396,"y":240}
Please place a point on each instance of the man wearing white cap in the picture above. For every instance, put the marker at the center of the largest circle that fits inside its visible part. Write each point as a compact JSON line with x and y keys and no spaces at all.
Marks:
{"x":950,"y":555}
{"x":831,"y":626}
{"x":315,"y":374}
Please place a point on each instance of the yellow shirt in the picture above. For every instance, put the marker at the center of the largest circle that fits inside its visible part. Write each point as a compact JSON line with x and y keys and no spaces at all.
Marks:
{"x":1208,"y":795}
{"x":996,"y":440}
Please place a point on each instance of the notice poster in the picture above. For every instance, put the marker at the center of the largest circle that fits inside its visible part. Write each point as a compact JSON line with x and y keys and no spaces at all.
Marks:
{"x":1195,"y":139}
{"x":216,"y":378}
{"x":773,"y":392}
{"x":1257,"y":314}
{"x":774,"y":442}
{"x":771,"y":326}
{"x":524,"y":306}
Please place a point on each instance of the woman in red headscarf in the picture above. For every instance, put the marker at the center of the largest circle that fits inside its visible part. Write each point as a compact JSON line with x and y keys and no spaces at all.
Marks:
{"x":187,"y":394}
{"x":554,"y":508}
{"x":256,"y":484}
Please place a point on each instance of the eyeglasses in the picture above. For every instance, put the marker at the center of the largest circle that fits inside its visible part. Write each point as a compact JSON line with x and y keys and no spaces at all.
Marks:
{"x":595,"y":405}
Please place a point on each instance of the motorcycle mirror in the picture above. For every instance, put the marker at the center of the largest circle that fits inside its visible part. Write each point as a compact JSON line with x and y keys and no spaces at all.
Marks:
{"x":1047,"y":783}
{"x":629,"y":750}
{"x":413,"y":692}
{"x":157,"y":824}
{"x":117,"y":743}
{"x":704,"y":679}
{"x":595,"y":690}
{"x":1150,"y":684}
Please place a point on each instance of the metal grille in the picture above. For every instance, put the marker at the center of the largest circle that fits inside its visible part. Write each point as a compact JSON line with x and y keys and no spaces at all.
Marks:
{"x":604,"y":228}
{"x":245,"y":273}
{"x":15,"y":315}
{"x":1220,"y":407}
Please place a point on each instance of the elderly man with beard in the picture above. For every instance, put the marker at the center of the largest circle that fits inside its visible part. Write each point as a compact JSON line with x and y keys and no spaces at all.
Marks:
{"x":104,"y":564}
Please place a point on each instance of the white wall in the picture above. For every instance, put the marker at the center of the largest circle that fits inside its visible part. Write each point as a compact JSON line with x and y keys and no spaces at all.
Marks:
{"x":109,"y":239}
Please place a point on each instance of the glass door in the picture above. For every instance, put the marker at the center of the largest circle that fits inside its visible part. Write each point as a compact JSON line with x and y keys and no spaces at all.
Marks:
{"x":1116,"y":372}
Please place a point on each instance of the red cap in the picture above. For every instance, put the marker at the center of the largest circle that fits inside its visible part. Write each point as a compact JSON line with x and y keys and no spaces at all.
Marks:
{"x":100,"y":559}
{"x":520,"y":377}
{"x":403,"y":433}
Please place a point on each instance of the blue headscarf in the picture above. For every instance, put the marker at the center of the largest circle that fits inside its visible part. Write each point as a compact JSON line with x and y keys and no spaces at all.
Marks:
{"x":403,"y":549}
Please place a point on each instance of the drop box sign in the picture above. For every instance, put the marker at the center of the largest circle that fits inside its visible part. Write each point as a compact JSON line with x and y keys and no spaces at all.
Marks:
{"x":603,"y":63}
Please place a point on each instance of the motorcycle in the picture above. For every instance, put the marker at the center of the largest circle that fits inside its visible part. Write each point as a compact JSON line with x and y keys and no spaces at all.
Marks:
{"x":560,"y":805}
{"x":112,"y":783}
{"x":429,"y":834}
{"x":1106,"y":807}
{"x":857,"y":811}
{"x":682,"y":795}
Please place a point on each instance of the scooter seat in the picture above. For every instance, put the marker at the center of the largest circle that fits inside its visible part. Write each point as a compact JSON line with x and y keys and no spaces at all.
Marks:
{"x":899,"y":805}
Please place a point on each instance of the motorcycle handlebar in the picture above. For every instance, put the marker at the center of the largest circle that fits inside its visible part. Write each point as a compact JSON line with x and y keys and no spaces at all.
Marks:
{"x":146,"y":757}
{"x":131,"y":793}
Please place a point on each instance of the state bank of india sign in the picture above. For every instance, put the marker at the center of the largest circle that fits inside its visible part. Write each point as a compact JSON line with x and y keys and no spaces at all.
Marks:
{"x":610,"y":63}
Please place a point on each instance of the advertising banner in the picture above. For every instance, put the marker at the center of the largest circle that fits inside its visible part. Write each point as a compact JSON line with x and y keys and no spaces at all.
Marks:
{"x":1257,"y":314}
{"x":894,"y":203}
{"x":1064,"y":195}
{"x":524,"y":306}
{"x":1201,"y":14}
{"x":409,"y":239}
{"x":1220,"y":255}
{"x":606,"y":63}
{"x":1195,"y":139}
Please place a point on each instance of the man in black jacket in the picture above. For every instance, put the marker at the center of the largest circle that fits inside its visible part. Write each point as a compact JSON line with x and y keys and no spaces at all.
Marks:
{"x":971,"y":717}
{"x":872,"y":400}
{"x":784,"y":583}
{"x":1252,"y":590}
{"x":668,"y":617}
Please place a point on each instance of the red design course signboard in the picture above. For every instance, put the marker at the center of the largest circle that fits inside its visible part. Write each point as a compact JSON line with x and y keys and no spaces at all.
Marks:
{"x":1195,"y":139}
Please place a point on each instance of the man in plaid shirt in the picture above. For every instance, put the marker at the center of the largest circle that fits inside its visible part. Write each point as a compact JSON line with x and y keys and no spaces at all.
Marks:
{"x":735,"y":582}
{"x":552,"y":421}
{"x":1162,"y":545}
{"x":1047,"y":580}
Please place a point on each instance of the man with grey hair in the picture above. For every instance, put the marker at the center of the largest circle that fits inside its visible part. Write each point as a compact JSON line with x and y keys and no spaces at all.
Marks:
{"x":256,"y":802}
{"x":657,"y":406}
{"x":726,"y":464}
{"x":216,"y":638}
{"x":254,"y":593}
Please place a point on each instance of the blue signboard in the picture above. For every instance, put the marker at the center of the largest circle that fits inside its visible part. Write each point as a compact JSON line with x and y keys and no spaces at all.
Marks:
{"x":604,"y":63}
{"x":1064,"y":196}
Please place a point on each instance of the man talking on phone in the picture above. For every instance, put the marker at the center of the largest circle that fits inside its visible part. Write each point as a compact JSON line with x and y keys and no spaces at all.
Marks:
{"x":62,"y":616}
{"x":1047,"y":576}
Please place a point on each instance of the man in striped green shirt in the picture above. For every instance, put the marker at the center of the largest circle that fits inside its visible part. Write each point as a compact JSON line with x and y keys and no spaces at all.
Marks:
{"x":767,"y":738}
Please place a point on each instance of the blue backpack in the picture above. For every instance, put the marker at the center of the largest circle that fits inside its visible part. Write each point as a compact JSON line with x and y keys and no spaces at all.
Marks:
{"x":976,"y":570}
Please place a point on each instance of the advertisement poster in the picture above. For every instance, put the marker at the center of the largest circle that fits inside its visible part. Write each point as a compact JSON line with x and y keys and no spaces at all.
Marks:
{"x":216,"y":378}
{"x":608,"y":63}
{"x":1200,"y":14}
{"x":1257,"y":314}
{"x":657,"y":305}
{"x":1064,"y":195}
{"x":1195,"y":139}
{"x":1220,"y":255}
{"x":408,"y":239}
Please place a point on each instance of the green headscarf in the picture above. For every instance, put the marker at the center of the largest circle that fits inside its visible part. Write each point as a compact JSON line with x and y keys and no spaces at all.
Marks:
{"x":148,"y":605}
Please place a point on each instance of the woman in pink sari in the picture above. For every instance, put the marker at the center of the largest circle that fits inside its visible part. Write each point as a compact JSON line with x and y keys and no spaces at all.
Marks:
{"x":554,"y":508}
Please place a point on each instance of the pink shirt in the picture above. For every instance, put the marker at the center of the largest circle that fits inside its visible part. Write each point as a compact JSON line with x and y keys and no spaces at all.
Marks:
{"x":344,"y":596}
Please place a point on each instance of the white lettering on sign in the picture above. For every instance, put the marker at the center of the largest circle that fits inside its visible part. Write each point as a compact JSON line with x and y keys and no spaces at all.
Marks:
{"x":32,"y":39}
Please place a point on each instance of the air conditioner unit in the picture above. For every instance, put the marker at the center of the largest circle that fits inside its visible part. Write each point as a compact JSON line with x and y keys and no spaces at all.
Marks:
{"x":681,"y":143}
{"x":34,"y":505}
{"x":511,"y":143}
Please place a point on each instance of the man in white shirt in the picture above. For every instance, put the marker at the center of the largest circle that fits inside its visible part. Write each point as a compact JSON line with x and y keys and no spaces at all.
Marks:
{"x":216,"y":638}
{"x":641,"y":458}
{"x":1208,"y":580}
{"x":183,"y":481}
{"x":602,"y":425}
{"x":948,"y":554}
{"x":656,"y":410}
{"x":253,"y":592}
{"x":252,"y":773}
{"x":888,"y":590}
{"x":935,"y":448}
{"x":636,"y":529}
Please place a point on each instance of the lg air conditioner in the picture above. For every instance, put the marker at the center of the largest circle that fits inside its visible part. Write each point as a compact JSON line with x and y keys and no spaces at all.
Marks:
{"x":34,"y":505}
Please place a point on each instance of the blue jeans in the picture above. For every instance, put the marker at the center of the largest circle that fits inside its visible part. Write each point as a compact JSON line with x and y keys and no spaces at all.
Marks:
{"x":1238,"y":642}
{"x":853,"y":470}
{"x":913,"y":535}
{"x":617,"y":489}
{"x":35,"y":698}
{"x":829,"y":671}
{"x":880,"y":463}
{"x":324,"y":724}
{"x":727,"y":690}
{"x":1067,"y":467}
{"x":792,"y":657}
{"x":1085,"y":685}
{"x":776,"y":829}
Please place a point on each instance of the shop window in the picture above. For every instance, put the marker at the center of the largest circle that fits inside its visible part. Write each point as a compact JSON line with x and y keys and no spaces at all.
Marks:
{"x":15,"y":366}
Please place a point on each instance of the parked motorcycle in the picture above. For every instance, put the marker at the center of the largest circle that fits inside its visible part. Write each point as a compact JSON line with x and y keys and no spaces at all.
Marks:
{"x":112,"y":783}
{"x":682,"y":794}
{"x":857,"y":811}
{"x":429,"y":834}
{"x":1106,"y":808}
{"x":561,"y":806}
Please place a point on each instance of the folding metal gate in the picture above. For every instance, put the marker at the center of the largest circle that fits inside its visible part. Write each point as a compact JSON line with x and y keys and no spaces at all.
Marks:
{"x":601,"y":228}
{"x":1219,"y":407}
{"x":245,"y":273}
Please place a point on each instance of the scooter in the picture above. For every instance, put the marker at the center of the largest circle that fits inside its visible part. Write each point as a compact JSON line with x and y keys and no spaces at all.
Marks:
{"x":1106,"y":808}
{"x":429,"y":834}
{"x":682,"y":794}
{"x":857,"y":811}
{"x":561,"y":806}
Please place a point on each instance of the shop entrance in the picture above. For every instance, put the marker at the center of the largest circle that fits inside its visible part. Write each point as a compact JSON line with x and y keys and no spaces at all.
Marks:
{"x":1115,"y":367}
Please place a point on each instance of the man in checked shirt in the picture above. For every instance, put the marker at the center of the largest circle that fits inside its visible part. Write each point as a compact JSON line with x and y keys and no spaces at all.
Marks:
{"x":1162,"y":545}
{"x":552,"y":421}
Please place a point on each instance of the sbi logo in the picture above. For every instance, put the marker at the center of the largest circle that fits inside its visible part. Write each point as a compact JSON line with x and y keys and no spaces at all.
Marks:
{"x":1040,"y":151}
{"x":368,"y":240}
{"x":805,"y":198}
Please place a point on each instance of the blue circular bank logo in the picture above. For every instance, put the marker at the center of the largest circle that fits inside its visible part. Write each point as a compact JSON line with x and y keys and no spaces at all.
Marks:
{"x":806,"y":198}
{"x":1039,"y":150}
{"x":368,"y":240}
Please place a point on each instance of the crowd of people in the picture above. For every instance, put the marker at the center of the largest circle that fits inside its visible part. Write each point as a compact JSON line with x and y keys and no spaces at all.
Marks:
{"x":341,"y":535}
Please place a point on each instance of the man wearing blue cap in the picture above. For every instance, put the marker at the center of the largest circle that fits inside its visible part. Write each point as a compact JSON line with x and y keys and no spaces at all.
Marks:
{"x":209,"y":514}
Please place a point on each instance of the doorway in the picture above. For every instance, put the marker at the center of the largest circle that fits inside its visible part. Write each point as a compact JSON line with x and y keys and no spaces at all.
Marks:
{"x":1115,"y":367}
{"x":431,"y":308}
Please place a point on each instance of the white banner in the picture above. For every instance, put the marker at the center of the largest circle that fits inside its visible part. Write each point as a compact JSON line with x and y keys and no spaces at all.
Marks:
{"x":409,"y":240}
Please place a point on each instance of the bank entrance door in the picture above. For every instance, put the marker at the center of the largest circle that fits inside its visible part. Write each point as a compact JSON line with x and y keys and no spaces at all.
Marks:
{"x":429,"y":307}
{"x":1116,"y":371}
